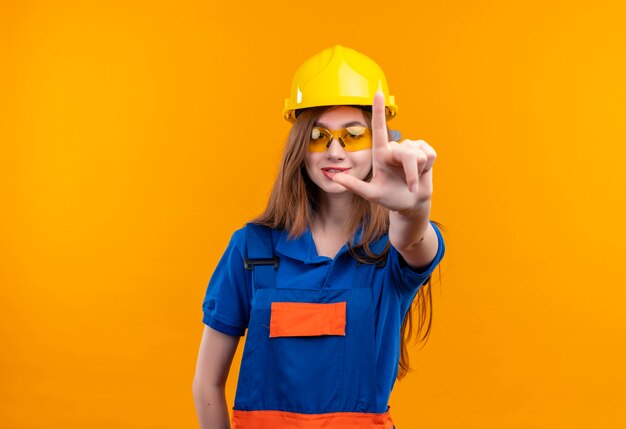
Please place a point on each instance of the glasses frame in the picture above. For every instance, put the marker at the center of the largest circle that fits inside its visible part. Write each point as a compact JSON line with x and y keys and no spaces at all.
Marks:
{"x":339,"y":135}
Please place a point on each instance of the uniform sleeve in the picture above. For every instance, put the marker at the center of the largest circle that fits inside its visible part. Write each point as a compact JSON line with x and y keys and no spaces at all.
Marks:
{"x":409,"y":278}
{"x":226,"y":304}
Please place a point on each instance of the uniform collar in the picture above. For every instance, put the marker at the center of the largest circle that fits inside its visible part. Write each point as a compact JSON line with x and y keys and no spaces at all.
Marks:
{"x":303,"y":248}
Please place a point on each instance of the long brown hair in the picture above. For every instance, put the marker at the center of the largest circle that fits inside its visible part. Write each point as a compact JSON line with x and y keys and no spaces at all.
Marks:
{"x":294,"y":202}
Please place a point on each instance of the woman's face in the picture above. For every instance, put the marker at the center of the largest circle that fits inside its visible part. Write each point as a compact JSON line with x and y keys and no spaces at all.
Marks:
{"x":321,"y":166}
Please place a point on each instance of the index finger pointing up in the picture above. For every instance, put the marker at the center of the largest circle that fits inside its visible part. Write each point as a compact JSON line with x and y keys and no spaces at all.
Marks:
{"x":379,"y":123}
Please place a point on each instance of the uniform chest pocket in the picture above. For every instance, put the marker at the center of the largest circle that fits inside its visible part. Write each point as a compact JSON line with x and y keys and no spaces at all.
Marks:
{"x":307,"y":356}
{"x":300,"y":319}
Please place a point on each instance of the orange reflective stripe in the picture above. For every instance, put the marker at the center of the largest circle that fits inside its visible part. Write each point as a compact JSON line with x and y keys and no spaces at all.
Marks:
{"x":294,"y":319}
{"x":285,"y":420}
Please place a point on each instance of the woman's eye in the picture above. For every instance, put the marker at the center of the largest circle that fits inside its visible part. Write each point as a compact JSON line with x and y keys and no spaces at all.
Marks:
{"x":315,"y":134}
{"x":355,"y":132}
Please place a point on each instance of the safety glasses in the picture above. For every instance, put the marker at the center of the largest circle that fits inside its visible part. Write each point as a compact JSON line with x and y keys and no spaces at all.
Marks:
{"x":351,"y":138}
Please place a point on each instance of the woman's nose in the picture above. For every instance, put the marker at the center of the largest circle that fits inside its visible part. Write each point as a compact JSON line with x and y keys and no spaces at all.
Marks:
{"x":335,"y":150}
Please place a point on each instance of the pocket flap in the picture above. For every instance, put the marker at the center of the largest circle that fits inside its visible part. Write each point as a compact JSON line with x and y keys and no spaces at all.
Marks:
{"x":298,"y":319}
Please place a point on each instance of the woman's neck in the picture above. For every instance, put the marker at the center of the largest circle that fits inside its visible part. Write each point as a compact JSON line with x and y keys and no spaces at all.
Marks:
{"x":329,"y":226}
{"x":333,"y":212}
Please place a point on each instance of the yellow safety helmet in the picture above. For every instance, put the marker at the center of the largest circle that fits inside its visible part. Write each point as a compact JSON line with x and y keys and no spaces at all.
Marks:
{"x":337,"y":76}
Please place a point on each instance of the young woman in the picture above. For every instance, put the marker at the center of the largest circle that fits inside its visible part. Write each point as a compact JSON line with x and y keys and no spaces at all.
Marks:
{"x":324,"y":279}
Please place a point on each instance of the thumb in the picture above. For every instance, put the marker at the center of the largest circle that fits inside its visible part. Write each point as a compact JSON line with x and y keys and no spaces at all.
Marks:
{"x":354,"y":185}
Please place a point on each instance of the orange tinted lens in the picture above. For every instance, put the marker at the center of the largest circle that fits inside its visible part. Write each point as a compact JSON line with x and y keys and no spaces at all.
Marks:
{"x":356,"y":138}
{"x":319,"y":139}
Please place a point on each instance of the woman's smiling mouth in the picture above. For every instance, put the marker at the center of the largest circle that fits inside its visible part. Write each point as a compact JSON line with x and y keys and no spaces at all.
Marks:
{"x":331,"y":171}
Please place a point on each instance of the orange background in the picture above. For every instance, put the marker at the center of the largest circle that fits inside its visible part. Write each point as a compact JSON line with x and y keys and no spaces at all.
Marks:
{"x":135,"y":137}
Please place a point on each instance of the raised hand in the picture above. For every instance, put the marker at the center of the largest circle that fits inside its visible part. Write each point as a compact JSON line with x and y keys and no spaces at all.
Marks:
{"x":402,"y":171}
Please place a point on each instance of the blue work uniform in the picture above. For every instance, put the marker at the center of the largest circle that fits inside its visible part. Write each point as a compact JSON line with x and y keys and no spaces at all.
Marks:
{"x":323,"y":341}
